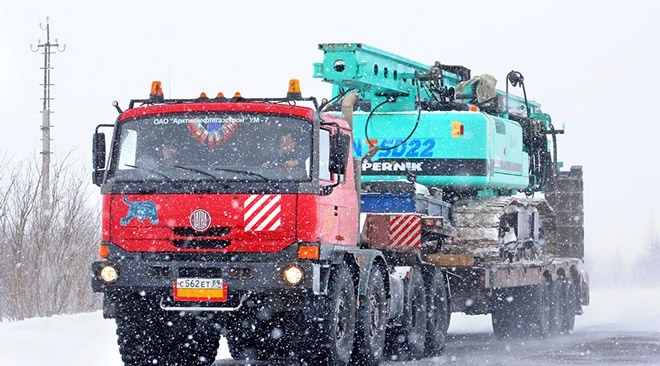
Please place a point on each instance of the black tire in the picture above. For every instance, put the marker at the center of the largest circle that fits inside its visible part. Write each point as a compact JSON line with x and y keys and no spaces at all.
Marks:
{"x":371,"y":321}
{"x":557,"y":306}
{"x":249,"y":338}
{"x":141,"y":340}
{"x":537,"y":319}
{"x":521,"y":312}
{"x":569,"y":305}
{"x":408,"y":337}
{"x":417,"y":328}
{"x":503,"y":324}
{"x":148,"y":335}
{"x":505,"y":316}
{"x":335,"y":336}
{"x":245,"y":342}
{"x":438,"y":313}
{"x":193,"y":341}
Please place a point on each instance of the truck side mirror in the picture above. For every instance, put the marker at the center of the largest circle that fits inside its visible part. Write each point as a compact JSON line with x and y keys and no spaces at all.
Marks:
{"x":98,"y":157}
{"x":339,"y":151}
{"x":98,"y":150}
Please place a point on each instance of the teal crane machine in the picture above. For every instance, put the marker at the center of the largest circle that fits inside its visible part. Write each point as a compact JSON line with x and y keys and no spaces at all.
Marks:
{"x":436,"y":140}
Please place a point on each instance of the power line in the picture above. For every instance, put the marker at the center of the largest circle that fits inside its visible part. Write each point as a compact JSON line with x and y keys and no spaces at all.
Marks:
{"x":48,"y":49}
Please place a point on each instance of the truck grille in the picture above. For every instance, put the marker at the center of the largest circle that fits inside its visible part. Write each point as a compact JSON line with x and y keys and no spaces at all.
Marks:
{"x":200,"y":272}
{"x":201,"y":244}
{"x":190,"y":232}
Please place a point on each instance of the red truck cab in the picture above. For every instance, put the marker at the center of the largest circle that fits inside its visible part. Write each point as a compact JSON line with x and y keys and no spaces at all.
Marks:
{"x":210,"y":202}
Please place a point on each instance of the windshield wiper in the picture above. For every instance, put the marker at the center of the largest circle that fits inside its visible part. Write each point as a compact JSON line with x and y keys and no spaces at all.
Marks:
{"x":149,"y":170}
{"x":244,"y":172}
{"x":190,"y":169}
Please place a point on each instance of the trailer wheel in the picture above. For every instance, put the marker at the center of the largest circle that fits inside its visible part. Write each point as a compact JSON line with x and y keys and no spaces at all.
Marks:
{"x":438,"y":314}
{"x":408,"y":337}
{"x":505,"y":319}
{"x":416,"y":336}
{"x":537,"y":319}
{"x":503,"y":324}
{"x":515,"y":311}
{"x":569,"y":305}
{"x":335,"y":335}
{"x":371,"y":321}
{"x":557,"y":306}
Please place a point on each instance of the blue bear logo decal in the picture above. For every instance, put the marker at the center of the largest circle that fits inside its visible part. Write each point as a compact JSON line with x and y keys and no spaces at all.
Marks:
{"x":141,"y":210}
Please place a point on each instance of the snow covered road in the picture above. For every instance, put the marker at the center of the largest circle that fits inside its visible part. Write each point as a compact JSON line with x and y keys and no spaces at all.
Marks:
{"x":621,"y":327}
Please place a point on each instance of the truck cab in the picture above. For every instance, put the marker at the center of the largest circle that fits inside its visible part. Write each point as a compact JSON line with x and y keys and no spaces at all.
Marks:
{"x":220,"y":204}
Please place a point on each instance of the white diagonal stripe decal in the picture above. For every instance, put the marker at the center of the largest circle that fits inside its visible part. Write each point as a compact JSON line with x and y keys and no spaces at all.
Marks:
{"x":404,"y":231}
{"x":254,"y":207}
{"x":275,"y":225}
{"x":260,"y":206}
{"x":399,"y":223}
{"x":270,"y":217}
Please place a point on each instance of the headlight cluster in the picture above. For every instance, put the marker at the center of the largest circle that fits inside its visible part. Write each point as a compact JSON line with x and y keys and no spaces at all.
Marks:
{"x":293,"y":274}
{"x":108,"y":273}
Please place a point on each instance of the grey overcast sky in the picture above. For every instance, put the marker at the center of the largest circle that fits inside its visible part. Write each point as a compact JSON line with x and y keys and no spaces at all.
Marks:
{"x":593,"y":65}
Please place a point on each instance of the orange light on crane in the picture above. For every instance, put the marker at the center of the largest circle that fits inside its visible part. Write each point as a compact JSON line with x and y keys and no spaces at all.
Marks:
{"x":294,"y":89}
{"x":237,"y":95}
{"x":457,"y":129}
{"x":220,"y":95}
{"x":203,"y":96}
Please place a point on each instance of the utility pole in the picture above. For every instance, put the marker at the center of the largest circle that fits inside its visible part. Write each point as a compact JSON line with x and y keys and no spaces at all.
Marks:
{"x":45,"y":127}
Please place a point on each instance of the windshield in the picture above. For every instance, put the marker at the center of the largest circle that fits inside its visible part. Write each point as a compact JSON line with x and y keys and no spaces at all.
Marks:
{"x":213,"y":146}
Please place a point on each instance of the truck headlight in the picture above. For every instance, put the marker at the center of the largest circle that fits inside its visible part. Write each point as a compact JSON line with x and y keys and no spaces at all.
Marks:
{"x":109,"y":274}
{"x":293,"y":274}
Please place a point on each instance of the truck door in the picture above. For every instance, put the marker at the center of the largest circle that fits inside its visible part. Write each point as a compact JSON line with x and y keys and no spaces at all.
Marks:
{"x":330,"y":209}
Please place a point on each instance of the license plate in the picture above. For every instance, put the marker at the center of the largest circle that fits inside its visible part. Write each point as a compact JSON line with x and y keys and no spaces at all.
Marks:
{"x":200,"y":289}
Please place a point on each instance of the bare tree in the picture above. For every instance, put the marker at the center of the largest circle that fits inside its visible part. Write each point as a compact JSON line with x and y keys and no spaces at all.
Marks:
{"x":45,"y":256}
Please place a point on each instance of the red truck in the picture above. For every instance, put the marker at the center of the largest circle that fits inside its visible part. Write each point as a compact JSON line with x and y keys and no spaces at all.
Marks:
{"x":220,"y":242}
{"x":248,"y":218}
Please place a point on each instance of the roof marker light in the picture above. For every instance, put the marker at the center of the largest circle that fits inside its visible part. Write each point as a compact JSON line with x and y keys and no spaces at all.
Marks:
{"x":156,"y":88}
{"x":156,"y":94}
{"x":294,"y":90}
{"x":203,"y":96}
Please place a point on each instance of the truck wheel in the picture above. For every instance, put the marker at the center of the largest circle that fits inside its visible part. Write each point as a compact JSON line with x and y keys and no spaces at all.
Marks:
{"x":148,"y":335}
{"x":250,"y":339}
{"x":438,"y":314}
{"x":371,"y":321}
{"x":192,"y":341}
{"x":141,"y":339}
{"x":246,"y":344}
{"x":335,"y":335}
